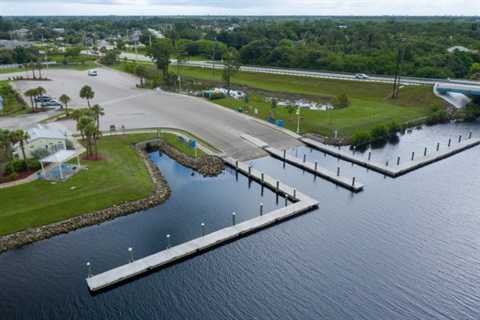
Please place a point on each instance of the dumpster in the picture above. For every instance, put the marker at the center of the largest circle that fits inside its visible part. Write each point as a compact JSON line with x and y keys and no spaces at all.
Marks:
{"x":240,"y":109}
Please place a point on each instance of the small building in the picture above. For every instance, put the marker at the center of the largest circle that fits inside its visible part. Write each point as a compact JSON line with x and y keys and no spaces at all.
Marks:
{"x":53,"y":140}
{"x":459,"y":48}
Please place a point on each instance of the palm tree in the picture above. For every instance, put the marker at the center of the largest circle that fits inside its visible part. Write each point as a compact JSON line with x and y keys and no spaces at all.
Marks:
{"x":87,"y":93}
{"x":31,"y":93}
{"x":82,"y":124}
{"x":77,"y":114}
{"x":39,"y":66}
{"x":22,"y":136}
{"x":40,"y":92}
{"x":65,"y":100}
{"x":25,"y":65}
{"x":7,"y":138}
{"x":91,"y":132}
{"x":32,"y":66}
{"x":97,"y":111}
{"x":140,"y":71}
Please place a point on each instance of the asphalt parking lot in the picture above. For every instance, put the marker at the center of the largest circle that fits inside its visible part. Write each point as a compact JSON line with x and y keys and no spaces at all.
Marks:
{"x":125,"y":105}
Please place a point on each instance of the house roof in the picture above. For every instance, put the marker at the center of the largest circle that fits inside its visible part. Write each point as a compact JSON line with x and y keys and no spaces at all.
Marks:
{"x":37,"y":133}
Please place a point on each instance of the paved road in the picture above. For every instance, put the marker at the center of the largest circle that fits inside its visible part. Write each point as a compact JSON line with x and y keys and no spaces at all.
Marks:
{"x":126,"y":105}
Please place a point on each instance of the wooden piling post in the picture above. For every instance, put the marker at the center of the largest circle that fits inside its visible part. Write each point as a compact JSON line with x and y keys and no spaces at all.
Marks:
{"x":413,"y":155}
{"x":338,"y":171}
{"x":425,"y":152}
{"x":398,"y":161}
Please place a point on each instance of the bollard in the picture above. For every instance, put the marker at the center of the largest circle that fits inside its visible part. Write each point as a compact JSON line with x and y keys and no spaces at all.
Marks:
{"x":316,"y":165}
{"x":233,"y":219}
{"x":278,"y":185}
{"x":459,"y":138}
{"x":449,"y":141}
{"x":304,"y":157}
{"x":369,"y":155}
{"x":338,"y":171}
{"x":295,"y":193}
{"x":470,"y":135}
{"x":284,"y":153}
{"x":169,"y":244}
{"x":413,"y":155}
{"x":249,"y":170}
{"x":286,"y":200}
{"x":261,"y":209}
{"x":130,"y":251}
{"x":354,"y":148}
{"x":398,"y":161}
{"x":262,"y":176}
{"x":438,"y":145}
{"x":353,"y":181}
{"x":425,"y":152}
{"x":236,"y":164}
{"x":89,"y":270}
{"x":387,"y":161}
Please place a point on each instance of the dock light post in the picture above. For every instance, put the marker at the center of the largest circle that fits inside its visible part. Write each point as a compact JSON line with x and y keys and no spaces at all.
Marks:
{"x":130,"y":252}
{"x":89,"y":270}
{"x":261,"y":209}
{"x":233,"y":219}
{"x":169,"y":244}
{"x":298,"y":119}
{"x":203,"y":229}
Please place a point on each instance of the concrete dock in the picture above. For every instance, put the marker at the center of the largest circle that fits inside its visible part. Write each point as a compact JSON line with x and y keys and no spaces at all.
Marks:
{"x":166,"y":257}
{"x":345,"y":182}
{"x":394,"y":171}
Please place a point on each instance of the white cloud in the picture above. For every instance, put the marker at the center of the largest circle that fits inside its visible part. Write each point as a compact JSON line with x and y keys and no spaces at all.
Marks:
{"x":241,"y":7}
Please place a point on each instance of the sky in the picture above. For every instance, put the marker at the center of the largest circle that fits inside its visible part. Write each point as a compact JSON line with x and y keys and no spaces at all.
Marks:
{"x":240,"y":7}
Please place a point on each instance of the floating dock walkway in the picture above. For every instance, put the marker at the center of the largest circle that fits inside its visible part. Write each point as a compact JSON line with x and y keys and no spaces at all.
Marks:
{"x":395,"y":171}
{"x":345,"y":182}
{"x":174,"y":254}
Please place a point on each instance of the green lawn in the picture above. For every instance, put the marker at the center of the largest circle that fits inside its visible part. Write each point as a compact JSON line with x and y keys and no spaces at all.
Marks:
{"x":120,"y":177}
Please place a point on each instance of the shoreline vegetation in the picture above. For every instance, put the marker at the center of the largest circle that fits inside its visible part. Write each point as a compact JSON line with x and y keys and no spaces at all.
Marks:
{"x":206,"y":165}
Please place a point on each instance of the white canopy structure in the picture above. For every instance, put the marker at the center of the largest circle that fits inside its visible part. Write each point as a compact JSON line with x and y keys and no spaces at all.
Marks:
{"x":60,"y":157}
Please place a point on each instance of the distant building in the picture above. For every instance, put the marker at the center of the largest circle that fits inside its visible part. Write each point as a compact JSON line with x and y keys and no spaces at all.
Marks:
{"x":60,"y":30}
{"x":53,"y":140}
{"x":20,"y":33}
{"x":15,"y":43}
{"x":459,"y":48}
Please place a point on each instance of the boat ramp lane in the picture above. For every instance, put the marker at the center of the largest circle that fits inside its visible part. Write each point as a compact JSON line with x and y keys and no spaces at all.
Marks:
{"x":399,"y":169}
{"x":345,"y":182}
{"x":302,"y":204}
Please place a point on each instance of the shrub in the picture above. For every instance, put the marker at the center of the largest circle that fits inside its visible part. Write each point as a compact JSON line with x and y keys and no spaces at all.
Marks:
{"x":393,"y":129}
{"x":40,"y":153}
{"x":217,"y":95}
{"x":379,"y":132}
{"x":440,"y":116}
{"x":69,"y":145}
{"x":361,"y":138}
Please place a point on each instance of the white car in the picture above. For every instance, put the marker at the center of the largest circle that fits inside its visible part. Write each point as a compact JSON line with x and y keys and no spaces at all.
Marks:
{"x":361,"y":76}
{"x":92,"y":72}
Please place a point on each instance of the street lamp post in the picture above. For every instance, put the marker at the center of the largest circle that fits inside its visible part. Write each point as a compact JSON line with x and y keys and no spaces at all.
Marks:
{"x":213,"y":59}
{"x":136,"y":55}
{"x":43,"y":42}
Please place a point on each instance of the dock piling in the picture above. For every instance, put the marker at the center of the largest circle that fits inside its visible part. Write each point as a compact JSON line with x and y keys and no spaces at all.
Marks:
{"x":304,"y":157}
{"x":203,"y":228}
{"x":470,"y":135}
{"x":130,"y":252}
{"x":369,"y":155}
{"x":354,"y":148}
{"x":233,"y":219}
{"x":262,"y":177}
{"x":316,"y":165}
{"x":261,"y":209}
{"x":353,"y":181}
{"x":278,"y":185}
{"x":284,"y":153}
{"x":425,"y":152}
{"x":398,"y":161}
{"x":460,"y":139}
{"x":338,"y":171}
{"x":413,"y":155}
{"x":249,"y":170}
{"x":236,"y":165}
{"x":169,"y":244}
{"x":449,"y":141}
{"x":438,"y":145}
{"x":295,"y":193}
{"x":89,"y":270}
{"x":286,"y":200}
{"x":387,"y":161}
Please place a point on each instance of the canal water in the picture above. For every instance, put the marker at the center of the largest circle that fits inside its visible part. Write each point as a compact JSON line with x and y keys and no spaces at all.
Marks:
{"x":404,"y":248}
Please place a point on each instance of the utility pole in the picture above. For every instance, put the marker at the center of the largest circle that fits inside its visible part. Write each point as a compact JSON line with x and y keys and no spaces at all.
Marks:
{"x":213,"y":59}
{"x":398,"y":72}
